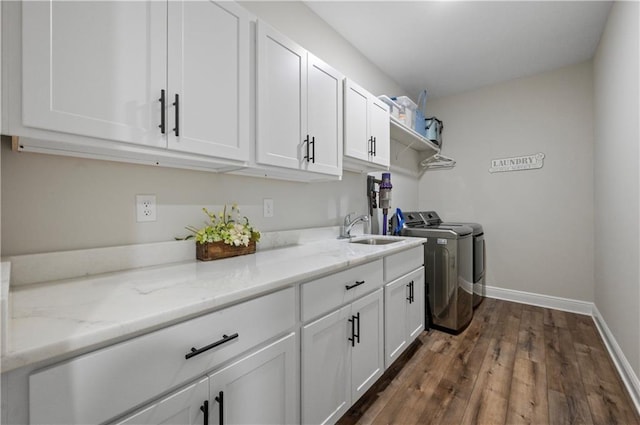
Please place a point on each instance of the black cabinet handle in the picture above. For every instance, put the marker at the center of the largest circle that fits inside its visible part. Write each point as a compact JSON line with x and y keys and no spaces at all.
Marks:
{"x":205,"y":410}
{"x":306,"y":143}
{"x":375,"y":146}
{"x":353,"y":331}
{"x":371,"y":145}
{"x":410,"y":298}
{"x":358,"y":283}
{"x":162,"y":111}
{"x":220,"y":399}
{"x":412,"y":286}
{"x":313,"y":149}
{"x":196,"y":351}
{"x":176,"y":129}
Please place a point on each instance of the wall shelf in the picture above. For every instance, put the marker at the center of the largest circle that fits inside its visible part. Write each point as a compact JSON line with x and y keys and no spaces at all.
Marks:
{"x":411,"y":139}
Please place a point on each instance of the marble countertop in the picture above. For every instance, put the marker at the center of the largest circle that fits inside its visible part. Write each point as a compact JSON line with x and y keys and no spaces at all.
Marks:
{"x":55,"y":320}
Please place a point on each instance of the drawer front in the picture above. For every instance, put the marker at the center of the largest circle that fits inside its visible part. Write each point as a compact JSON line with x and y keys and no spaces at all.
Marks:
{"x":399,"y":264}
{"x":97,"y":386}
{"x":325,"y":294}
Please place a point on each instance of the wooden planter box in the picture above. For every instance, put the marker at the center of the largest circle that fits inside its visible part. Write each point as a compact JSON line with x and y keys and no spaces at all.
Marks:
{"x":216,"y":250}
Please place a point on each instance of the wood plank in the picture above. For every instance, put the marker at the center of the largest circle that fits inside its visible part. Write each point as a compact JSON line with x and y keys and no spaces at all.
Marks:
{"x":461,"y":375}
{"x":390,"y":383}
{"x":489,"y":404}
{"x":419,"y":387}
{"x":558,"y":411}
{"x":531,"y":336}
{"x":528,"y":399}
{"x":564,"y":378}
{"x":555,"y":318}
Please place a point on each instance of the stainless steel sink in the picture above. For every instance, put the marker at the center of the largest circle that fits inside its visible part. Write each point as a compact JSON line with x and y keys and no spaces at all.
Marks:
{"x":375,"y":241}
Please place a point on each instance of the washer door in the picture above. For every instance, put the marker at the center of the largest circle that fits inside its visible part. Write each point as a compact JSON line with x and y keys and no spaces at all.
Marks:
{"x":441,"y":288}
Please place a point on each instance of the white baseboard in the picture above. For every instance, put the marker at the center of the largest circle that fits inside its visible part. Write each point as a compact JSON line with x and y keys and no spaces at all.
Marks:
{"x":629,"y":378}
{"x":547,"y":301}
{"x":627,"y":374}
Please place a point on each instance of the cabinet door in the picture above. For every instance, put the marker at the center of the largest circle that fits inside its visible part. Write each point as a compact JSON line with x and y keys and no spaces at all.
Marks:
{"x":379,"y":123}
{"x":209,"y":72}
{"x":95,"y":68}
{"x":396,"y":294}
{"x":258,"y":389}
{"x":404,"y":313}
{"x":185,"y":407}
{"x":415,"y":310}
{"x":324,"y":118}
{"x":281,"y":99}
{"x":326,"y":359}
{"x":356,"y":124}
{"x":367,"y":360}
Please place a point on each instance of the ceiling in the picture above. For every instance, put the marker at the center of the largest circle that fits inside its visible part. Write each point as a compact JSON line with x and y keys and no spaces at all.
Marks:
{"x":450,"y":47}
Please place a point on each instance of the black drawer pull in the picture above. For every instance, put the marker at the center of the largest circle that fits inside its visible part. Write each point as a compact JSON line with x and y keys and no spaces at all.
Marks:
{"x":358,"y":283}
{"x":196,"y":351}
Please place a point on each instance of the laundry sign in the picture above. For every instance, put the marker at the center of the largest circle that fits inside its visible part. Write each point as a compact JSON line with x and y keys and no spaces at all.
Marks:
{"x":517,"y":163}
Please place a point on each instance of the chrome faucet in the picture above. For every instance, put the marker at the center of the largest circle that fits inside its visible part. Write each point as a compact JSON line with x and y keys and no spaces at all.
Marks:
{"x":345,"y":230}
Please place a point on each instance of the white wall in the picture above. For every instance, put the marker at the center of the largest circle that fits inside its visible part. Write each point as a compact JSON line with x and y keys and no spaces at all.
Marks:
{"x":617,"y":185}
{"x":538,"y":223}
{"x":52,"y":203}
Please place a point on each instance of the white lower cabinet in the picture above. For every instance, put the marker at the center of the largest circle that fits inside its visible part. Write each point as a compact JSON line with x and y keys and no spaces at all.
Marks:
{"x":260,"y":361}
{"x":404,"y":313}
{"x":258,"y":389}
{"x":342,"y":356}
{"x":187,"y":406}
{"x":133,"y":372}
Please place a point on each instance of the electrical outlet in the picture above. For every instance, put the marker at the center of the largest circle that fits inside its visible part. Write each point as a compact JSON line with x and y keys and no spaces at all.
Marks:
{"x":267,"y":208}
{"x":146,"y":208}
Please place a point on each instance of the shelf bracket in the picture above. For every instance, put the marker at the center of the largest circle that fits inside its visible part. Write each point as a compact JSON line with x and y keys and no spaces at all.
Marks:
{"x":398,"y":154}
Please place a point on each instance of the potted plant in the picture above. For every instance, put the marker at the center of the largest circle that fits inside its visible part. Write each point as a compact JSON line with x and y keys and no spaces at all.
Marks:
{"x":224,"y":235}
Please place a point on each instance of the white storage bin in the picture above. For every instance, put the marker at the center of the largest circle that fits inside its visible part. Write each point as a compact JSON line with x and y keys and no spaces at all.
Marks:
{"x":409,"y":110}
{"x":394,"y":109}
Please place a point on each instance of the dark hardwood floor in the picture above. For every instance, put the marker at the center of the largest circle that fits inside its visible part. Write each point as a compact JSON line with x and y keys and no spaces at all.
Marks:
{"x":514,"y":364}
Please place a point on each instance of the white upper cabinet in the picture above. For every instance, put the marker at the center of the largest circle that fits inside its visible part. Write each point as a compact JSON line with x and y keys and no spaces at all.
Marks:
{"x":379,"y":124}
{"x":281,"y":98}
{"x":165,"y":82}
{"x":324,"y":117}
{"x":299,"y":107}
{"x":367,"y":130}
{"x":208,"y":78}
{"x":356,"y":127}
{"x":95,"y":68}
